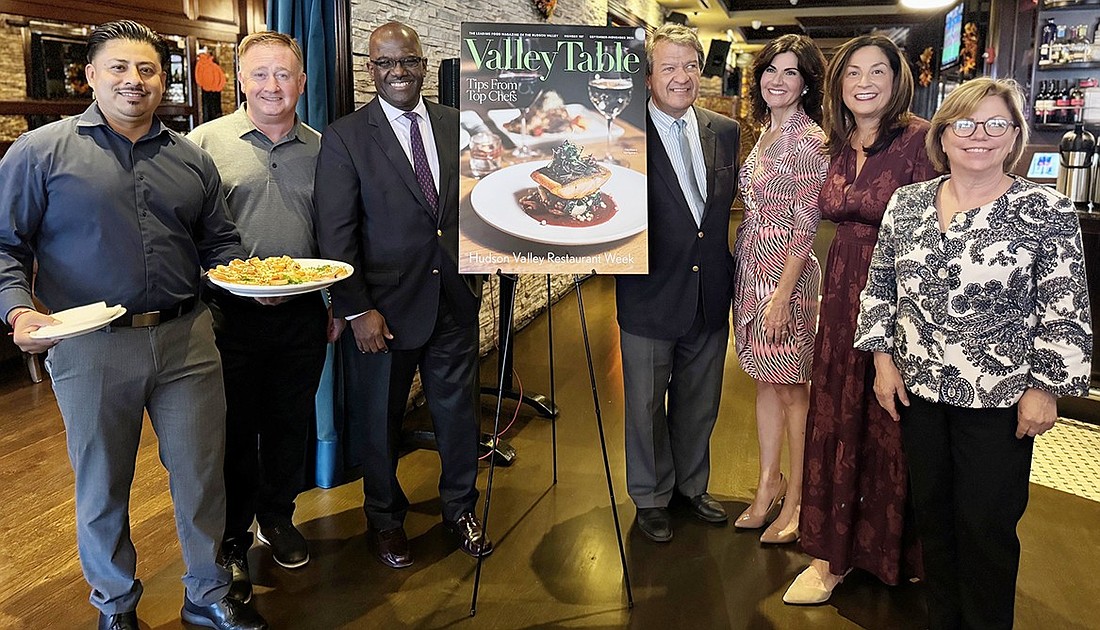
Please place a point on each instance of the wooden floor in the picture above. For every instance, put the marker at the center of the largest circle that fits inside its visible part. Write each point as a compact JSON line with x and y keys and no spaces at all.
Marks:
{"x":556,"y":564}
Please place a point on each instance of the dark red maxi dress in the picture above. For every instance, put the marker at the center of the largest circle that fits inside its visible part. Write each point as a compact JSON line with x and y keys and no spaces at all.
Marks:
{"x":855,"y":485}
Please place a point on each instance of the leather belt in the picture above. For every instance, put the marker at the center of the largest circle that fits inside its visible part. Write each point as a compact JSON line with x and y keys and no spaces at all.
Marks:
{"x":154,"y":318}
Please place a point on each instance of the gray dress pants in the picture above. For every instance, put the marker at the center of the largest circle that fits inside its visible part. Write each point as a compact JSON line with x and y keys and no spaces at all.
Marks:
{"x":103,"y":382}
{"x":671,"y":388}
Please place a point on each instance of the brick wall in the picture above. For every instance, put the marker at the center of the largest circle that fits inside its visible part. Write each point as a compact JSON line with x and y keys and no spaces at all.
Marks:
{"x":13,"y":70}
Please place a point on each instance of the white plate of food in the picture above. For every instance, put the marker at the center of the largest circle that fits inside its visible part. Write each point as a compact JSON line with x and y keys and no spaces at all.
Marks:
{"x":278,"y":276}
{"x":599,"y":203}
{"x":78,"y":321}
{"x":555,"y":125}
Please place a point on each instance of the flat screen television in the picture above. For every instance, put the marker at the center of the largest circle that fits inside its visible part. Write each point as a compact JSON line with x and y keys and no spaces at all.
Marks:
{"x":952,"y":36}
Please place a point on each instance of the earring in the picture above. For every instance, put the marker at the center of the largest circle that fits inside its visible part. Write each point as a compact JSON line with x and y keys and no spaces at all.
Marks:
{"x":805,"y":91}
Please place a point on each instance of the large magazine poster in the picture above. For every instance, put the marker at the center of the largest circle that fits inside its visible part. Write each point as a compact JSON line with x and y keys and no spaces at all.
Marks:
{"x":553,"y":162}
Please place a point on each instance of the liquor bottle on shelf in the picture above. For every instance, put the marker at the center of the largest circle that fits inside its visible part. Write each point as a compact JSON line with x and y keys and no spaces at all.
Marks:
{"x":1068,"y":114}
{"x":1046,"y":40}
{"x":1077,"y":99}
{"x":1096,"y":41}
{"x":1041,"y":104}
{"x":1058,"y":52}
{"x":1079,"y":44}
{"x":1047,"y":107}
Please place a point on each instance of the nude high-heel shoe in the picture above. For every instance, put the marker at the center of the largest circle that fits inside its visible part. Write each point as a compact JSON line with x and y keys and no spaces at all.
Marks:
{"x":748,"y":521}
{"x":776,"y":536}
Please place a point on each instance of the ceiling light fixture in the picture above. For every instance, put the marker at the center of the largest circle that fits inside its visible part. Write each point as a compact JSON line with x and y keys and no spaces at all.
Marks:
{"x":757,"y":24}
{"x":770,"y":28}
{"x":926,"y":4}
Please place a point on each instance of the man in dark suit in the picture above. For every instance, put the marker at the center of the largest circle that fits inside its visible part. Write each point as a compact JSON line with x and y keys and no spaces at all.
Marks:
{"x":674,"y":321}
{"x":386,"y":194}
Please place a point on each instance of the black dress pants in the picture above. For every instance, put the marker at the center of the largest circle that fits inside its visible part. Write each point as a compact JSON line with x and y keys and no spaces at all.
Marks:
{"x":969,"y":478}
{"x":448,"y":364}
{"x":272,"y":358}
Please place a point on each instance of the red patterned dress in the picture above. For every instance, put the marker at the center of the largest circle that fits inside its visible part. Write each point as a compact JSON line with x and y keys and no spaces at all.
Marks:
{"x":855,"y":485}
{"x":780,"y":188}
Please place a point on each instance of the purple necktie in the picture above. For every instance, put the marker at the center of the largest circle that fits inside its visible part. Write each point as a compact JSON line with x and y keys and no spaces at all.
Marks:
{"x":420,"y":162}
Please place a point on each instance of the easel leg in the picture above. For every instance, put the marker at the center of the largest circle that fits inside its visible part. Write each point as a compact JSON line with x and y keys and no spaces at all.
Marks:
{"x":550,"y":345}
{"x":506,"y":347}
{"x":603,"y":443}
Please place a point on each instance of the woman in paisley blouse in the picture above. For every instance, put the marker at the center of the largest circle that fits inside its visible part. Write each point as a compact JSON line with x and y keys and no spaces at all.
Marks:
{"x":977,"y":311}
{"x":777,"y":281}
{"x":856,"y":489}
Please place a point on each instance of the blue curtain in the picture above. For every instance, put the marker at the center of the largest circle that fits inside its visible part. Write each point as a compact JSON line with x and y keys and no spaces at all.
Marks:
{"x":312,"y":23}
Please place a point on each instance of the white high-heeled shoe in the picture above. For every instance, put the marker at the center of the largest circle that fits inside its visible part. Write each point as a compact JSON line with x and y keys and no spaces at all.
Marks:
{"x":809,"y":588}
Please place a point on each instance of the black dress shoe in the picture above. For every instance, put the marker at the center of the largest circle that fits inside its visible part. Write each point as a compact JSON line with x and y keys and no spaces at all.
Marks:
{"x":655,"y":524}
{"x":118,"y":621}
{"x":235,"y":560}
{"x":706,"y":508}
{"x":288,"y":546}
{"x":471,"y":535}
{"x":391,"y":547}
{"x":226,"y":614}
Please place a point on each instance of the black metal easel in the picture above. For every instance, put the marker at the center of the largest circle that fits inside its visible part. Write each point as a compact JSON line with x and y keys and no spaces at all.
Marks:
{"x":540,"y":403}
{"x":506,"y":346}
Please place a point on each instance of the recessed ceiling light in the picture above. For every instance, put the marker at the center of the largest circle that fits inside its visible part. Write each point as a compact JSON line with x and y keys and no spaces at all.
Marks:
{"x":926,"y":4}
{"x":770,"y":28}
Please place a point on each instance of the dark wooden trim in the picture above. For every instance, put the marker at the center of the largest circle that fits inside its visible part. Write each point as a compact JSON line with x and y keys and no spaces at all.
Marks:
{"x":95,"y":13}
{"x":344,"y":90}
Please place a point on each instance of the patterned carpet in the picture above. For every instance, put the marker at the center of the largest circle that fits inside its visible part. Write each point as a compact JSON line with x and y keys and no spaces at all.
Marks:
{"x":1067,"y":458}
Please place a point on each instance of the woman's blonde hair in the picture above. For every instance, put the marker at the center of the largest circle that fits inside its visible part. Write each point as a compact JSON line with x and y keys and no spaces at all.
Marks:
{"x":962,"y":102}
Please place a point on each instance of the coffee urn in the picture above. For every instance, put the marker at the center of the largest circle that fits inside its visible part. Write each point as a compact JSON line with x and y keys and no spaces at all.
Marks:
{"x":1075,"y":173}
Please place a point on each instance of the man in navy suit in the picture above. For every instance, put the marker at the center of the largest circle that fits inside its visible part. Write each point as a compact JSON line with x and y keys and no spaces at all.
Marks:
{"x":387,"y":201}
{"x":674,"y":321}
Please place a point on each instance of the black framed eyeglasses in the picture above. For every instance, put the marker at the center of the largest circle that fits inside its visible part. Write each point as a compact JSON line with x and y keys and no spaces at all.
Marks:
{"x":408,"y":63}
{"x":994,"y":127}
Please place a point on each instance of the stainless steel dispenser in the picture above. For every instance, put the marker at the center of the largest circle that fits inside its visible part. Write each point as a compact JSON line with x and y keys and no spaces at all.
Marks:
{"x":1096,"y":180}
{"x":1075,"y":174}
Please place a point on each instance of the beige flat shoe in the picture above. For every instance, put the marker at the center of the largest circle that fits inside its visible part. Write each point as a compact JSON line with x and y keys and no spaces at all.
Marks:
{"x":808,"y":589}
{"x":748,"y":520}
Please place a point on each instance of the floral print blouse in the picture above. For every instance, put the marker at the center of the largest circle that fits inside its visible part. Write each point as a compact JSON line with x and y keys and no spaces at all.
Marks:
{"x":993,"y":306}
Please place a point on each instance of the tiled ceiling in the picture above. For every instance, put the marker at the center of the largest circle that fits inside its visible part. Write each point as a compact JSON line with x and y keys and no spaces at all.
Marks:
{"x":752,"y":23}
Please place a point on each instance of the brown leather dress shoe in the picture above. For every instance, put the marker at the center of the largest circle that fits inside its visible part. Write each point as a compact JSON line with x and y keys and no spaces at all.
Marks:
{"x":391,"y":547}
{"x":471,"y":535}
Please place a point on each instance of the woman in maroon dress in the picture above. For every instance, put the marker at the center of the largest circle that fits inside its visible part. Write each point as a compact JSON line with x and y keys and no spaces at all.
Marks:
{"x":855,"y":487}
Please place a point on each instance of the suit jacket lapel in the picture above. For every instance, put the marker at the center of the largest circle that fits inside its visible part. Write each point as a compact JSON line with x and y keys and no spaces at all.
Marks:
{"x":660,"y":164}
{"x":446,"y":137}
{"x":709,"y":141}
{"x":391,"y":146}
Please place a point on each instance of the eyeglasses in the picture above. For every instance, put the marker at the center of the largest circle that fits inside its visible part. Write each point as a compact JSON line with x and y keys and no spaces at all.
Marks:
{"x":994,"y":127}
{"x":408,"y":63}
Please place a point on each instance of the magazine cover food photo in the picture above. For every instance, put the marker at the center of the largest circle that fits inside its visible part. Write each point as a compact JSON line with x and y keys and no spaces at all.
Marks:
{"x":553,"y":163}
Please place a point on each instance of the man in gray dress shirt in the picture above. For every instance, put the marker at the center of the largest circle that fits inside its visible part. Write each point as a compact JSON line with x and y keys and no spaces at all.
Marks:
{"x":115,"y":207}
{"x":272,"y":355}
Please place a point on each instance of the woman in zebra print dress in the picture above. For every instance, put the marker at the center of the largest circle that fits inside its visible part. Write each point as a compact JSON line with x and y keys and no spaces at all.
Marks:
{"x":777,"y":280}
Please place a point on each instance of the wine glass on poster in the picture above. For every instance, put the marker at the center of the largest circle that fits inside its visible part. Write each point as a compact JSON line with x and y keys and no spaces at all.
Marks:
{"x":527,"y":89}
{"x":610,"y":93}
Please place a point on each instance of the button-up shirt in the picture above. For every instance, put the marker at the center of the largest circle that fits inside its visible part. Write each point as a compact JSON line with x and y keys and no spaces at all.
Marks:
{"x":268,"y":185}
{"x":670,"y":139}
{"x":402,"y":127}
{"x":130,"y":223}
{"x":993,"y":306}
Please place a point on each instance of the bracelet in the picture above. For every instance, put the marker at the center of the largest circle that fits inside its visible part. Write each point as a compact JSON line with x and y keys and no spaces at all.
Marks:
{"x":16,"y":317}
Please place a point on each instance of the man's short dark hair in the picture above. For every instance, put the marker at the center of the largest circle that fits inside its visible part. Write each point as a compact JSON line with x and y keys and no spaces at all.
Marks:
{"x":127,"y":29}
